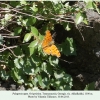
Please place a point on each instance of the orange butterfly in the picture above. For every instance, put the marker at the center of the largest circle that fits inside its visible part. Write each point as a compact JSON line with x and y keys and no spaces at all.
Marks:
{"x":48,"y":45}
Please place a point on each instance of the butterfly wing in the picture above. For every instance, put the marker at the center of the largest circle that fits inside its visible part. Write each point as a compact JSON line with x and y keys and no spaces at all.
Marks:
{"x":54,"y":51}
{"x":47,"y":50}
{"x":48,"y":46}
{"x":47,"y":39}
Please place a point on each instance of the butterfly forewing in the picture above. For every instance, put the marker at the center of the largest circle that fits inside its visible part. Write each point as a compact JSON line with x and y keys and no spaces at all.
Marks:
{"x":47,"y":39}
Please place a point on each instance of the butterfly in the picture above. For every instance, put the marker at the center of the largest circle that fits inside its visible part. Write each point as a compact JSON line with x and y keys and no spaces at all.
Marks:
{"x":48,"y":45}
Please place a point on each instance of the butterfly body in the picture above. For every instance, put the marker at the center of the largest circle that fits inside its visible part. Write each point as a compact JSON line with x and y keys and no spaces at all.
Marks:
{"x":48,"y":45}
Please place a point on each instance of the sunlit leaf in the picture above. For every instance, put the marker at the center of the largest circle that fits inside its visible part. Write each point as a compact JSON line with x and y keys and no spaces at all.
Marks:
{"x":57,"y":76}
{"x":20,"y":81}
{"x":34,"y":31}
{"x":89,"y":5}
{"x":4,"y":75}
{"x":34,"y":8}
{"x":32,"y":50}
{"x":53,"y":60}
{"x":79,"y":18}
{"x":40,"y":81}
{"x":18,"y":63}
{"x":14,"y":74}
{"x":33,"y":44}
{"x":33,"y":47}
{"x":8,"y":17}
{"x":35,"y":81}
{"x":27,"y":37}
{"x":23,"y":2}
{"x":67,"y":26}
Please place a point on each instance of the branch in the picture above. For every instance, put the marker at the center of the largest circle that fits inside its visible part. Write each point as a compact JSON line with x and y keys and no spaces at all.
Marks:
{"x":9,"y":48}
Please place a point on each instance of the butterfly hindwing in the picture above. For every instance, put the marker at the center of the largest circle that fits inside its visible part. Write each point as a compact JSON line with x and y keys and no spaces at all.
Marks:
{"x":54,"y":51}
{"x":47,"y":50}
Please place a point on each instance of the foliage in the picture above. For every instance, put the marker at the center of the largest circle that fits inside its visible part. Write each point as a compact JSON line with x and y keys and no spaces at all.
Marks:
{"x":21,"y":55}
{"x":90,"y":86}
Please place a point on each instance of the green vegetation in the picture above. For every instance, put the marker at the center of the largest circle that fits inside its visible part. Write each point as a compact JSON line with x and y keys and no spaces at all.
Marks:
{"x":21,"y":54}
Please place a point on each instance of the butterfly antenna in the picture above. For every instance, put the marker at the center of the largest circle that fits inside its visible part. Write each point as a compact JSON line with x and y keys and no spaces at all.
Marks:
{"x":66,"y":61}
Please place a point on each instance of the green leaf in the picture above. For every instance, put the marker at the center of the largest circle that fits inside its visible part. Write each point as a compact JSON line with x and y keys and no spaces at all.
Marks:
{"x":89,"y":5}
{"x":30,"y":21}
{"x":29,"y":67}
{"x":33,"y":44}
{"x":85,"y":21}
{"x":90,"y":86}
{"x":14,"y":74}
{"x":46,"y":79}
{"x":62,"y":81}
{"x":27,"y":37}
{"x":46,"y":67}
{"x":67,"y":26}
{"x":18,"y":51}
{"x":24,"y":22}
{"x":34,"y":31}
{"x":4,"y":75}
{"x":20,"y":81}
{"x":35,"y":89}
{"x":41,"y":37}
{"x":14,"y":3}
{"x":67,"y":78}
{"x":79,"y":18}
{"x":18,"y":63}
{"x":34,"y":8}
{"x":35,"y":81}
{"x":33,"y":47}
{"x":25,"y":49}
{"x":23,"y":2}
{"x":53,"y":61}
{"x":29,"y":70}
{"x":32,"y":50}
{"x":36,"y":60}
{"x":17,"y":30}
{"x":3,"y":22}
{"x":40,"y":81}
{"x":57,"y":76}
{"x":96,"y":7}
{"x":8,"y":17}
{"x":68,"y":47}
{"x":37,"y":70}
{"x":40,"y":42}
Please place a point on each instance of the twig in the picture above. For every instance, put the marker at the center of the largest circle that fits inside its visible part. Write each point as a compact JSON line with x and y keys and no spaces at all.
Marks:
{"x":7,"y":30}
{"x":9,"y":48}
{"x":80,"y":33}
{"x":11,"y":36}
{"x":3,"y":34}
{"x":66,"y":61}
{"x":1,"y":61}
